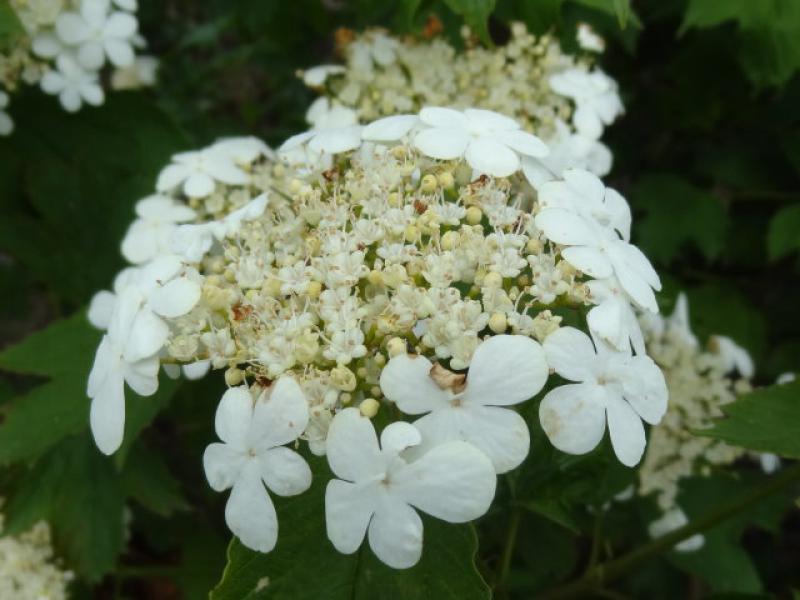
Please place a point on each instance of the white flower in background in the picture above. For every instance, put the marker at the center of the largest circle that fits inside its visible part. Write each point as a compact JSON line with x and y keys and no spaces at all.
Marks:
{"x":141,"y":73}
{"x":504,"y":370}
{"x":197,"y":172}
{"x":612,"y":385}
{"x":735,"y":357}
{"x":322,"y":114}
{"x":334,"y":129}
{"x":113,"y":368}
{"x":97,"y":34}
{"x":589,"y":40}
{"x":597,"y":102}
{"x":243,"y":150}
{"x":6,"y":124}
{"x":72,"y":85}
{"x":101,"y":308}
{"x":378,"y":49}
{"x":613,"y":319}
{"x":669,"y":522}
{"x":678,"y":324}
{"x":599,"y":252}
{"x":150,"y":235}
{"x":378,"y":489}
{"x":253,"y":455}
{"x":317,"y":76}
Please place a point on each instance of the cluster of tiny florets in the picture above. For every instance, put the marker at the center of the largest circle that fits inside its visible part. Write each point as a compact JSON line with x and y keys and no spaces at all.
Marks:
{"x":64,"y":45}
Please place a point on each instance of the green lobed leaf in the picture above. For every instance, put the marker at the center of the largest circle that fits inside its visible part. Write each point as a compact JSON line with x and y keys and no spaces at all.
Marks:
{"x":784,"y":232}
{"x":766,"y":420}
{"x":445,"y":571}
{"x":147,"y":480}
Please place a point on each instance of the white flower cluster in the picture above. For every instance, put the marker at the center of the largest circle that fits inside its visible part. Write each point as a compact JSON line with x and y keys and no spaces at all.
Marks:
{"x":66,"y":45}
{"x":27,"y":567}
{"x":407,"y":267}
{"x":567,"y":101}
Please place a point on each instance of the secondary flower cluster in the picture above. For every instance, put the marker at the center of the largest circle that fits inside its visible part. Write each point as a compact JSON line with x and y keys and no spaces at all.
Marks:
{"x":568,"y":102}
{"x":406,"y":268}
{"x":64,"y":46}
{"x":27,"y":566}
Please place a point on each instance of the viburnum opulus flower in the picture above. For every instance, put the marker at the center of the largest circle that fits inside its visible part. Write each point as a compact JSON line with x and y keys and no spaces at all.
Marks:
{"x":252,"y":454}
{"x":379,"y":489}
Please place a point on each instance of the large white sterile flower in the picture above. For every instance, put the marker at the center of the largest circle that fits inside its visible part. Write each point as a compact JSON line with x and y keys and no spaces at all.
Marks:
{"x":112,"y":369}
{"x":98,"y":34}
{"x":149,"y":236}
{"x":72,"y":84}
{"x":670,"y":521}
{"x":612,"y":385}
{"x":6,"y":124}
{"x":198,"y":171}
{"x":378,"y":488}
{"x":600,"y":253}
{"x":504,"y":370}
{"x":253,"y":455}
{"x":613,"y":319}
{"x":597,"y":102}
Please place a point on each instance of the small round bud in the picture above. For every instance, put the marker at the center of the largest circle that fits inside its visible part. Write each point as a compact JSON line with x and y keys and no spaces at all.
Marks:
{"x":295,"y":185}
{"x":446,"y":180}
{"x":346,"y":398}
{"x":376,"y":391}
{"x":498,"y":322}
{"x":449,"y":240}
{"x":412,"y":233}
{"x":343,"y":378}
{"x":380,"y":360}
{"x":369,"y":407}
{"x":474,"y":215}
{"x":534,"y":246}
{"x":493,"y":280}
{"x":234,"y":376}
{"x":428,"y":184}
{"x":314,"y":289}
{"x":395,"y":347}
{"x":375,"y":277}
{"x":395,"y":200}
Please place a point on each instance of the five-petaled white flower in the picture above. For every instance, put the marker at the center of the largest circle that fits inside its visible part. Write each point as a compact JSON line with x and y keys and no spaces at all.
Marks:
{"x":112,"y":368}
{"x":198,"y":171}
{"x":252,"y":454}
{"x":149,"y":236}
{"x":378,"y":488}
{"x":504,"y":370}
{"x":597,"y":102}
{"x":72,"y":84}
{"x":613,"y":385}
{"x":97,"y":34}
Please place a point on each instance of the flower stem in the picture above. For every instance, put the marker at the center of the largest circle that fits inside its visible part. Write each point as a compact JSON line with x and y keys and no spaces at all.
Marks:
{"x":608,"y":572}
{"x":508,"y":551}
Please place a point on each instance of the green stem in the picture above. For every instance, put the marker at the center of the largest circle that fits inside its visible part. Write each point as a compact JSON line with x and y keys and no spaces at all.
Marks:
{"x":508,"y":551}
{"x":606,"y":573}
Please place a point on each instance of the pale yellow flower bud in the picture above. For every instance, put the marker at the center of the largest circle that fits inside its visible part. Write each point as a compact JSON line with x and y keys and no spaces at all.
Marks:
{"x":369,"y":407}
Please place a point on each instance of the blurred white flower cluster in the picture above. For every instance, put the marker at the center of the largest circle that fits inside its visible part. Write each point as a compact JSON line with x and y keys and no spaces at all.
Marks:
{"x":28,"y":570}
{"x":65,"y":46}
{"x":567,"y":101}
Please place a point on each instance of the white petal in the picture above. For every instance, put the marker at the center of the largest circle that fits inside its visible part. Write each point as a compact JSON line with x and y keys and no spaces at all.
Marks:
{"x":447,"y":118}
{"x":570,"y":352}
{"x":500,"y":433}
{"x":223,"y":169}
{"x":92,"y":93}
{"x":630,"y":279}
{"x":389,"y":129}
{"x":587,"y":122}
{"x":52,"y":82}
{"x":564,"y":227}
{"x":395,"y":534}
{"x":348,"y":510}
{"x":352,"y":446}
{"x":536,"y":173}
{"x":91,"y":55}
{"x":627,"y":431}
{"x":296,"y":141}
{"x":104,"y":363}
{"x":126,"y":308}
{"x":504,"y":370}
{"x":334,"y":141}
{"x":148,"y":335}
{"x":444,"y":144}
{"x":620,"y":212}
{"x":488,"y":156}
{"x":196,"y":370}
{"x":573,"y":417}
{"x":222,"y":465}
{"x":191,"y":241}
{"x":284,"y":471}
{"x":198,"y":185}
{"x":250,"y":514}
{"x":645,"y":389}
{"x":280,"y":414}
{"x":142,"y":375}
{"x":589,"y":260}
{"x":176,"y":297}
{"x":406,"y":381}
{"x":71,"y":28}
{"x":607,"y":321}
{"x":46,"y":45}
{"x":121,"y":25}
{"x":70,"y":99}
{"x":100,"y":309}
{"x":234,"y":416}
{"x":454,"y":482}
{"x":170,"y":176}
{"x":119,"y":52}
{"x":489,"y":120}
{"x":398,"y":436}
{"x":523,"y":142}
{"x":140,"y":243}
{"x":107,"y":414}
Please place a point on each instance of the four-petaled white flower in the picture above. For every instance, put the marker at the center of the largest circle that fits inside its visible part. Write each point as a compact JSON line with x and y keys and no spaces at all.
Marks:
{"x":72,"y":84}
{"x":149,"y":236}
{"x":253,"y":455}
{"x":597,"y":101}
{"x":612,"y":385}
{"x":97,"y":34}
{"x":378,"y":488}
{"x":504,"y":370}
{"x":198,"y":171}
{"x":112,"y":368}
